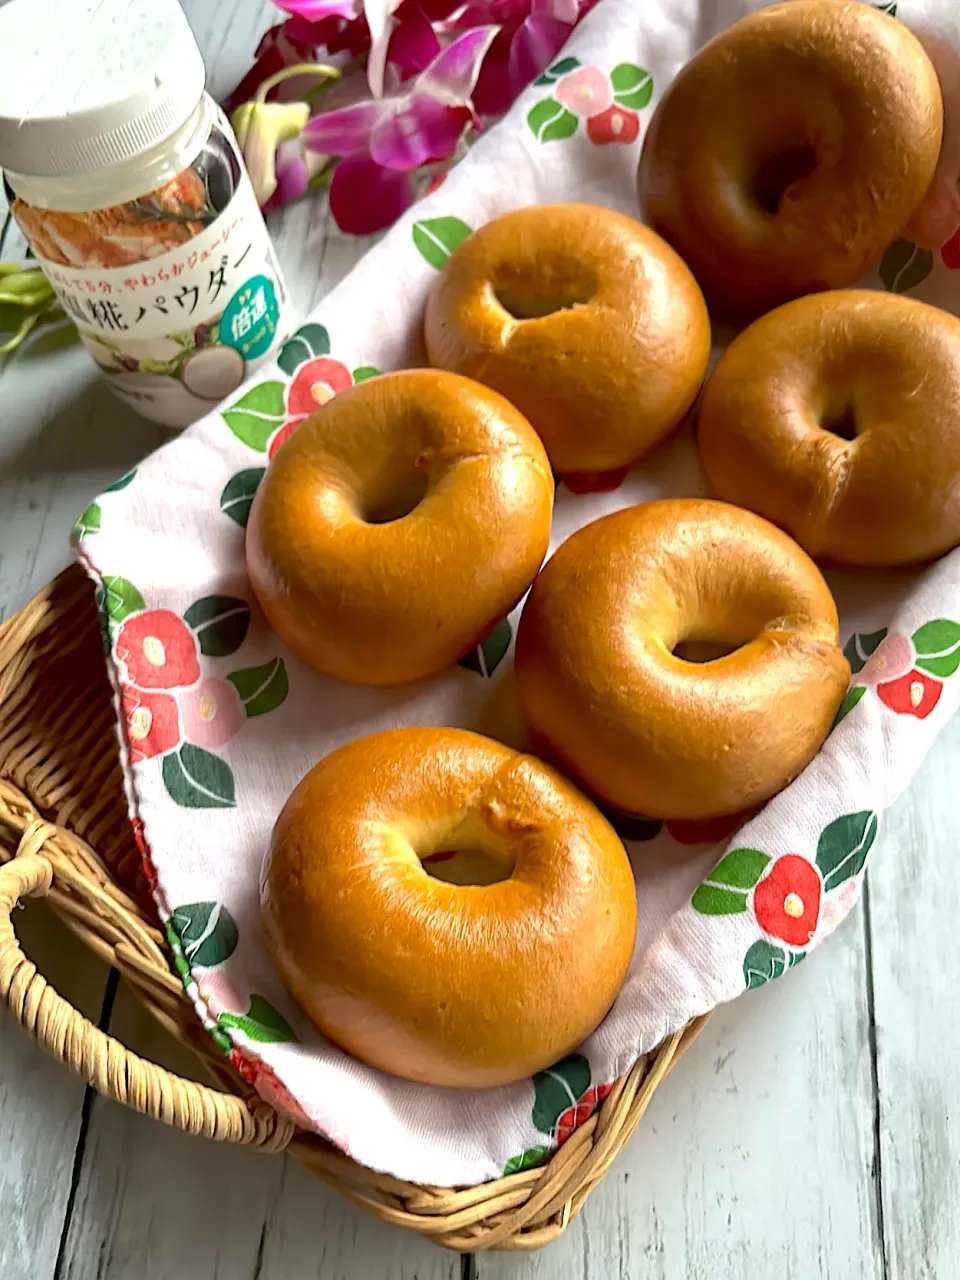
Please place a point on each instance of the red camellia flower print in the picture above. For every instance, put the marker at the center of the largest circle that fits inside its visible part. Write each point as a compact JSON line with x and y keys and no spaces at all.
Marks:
{"x":269,"y":1086}
{"x":212,"y":713}
{"x":581,"y":1110}
{"x":915,"y":694}
{"x":158,"y":650}
{"x":616,"y":124}
{"x":315,"y":383}
{"x":149,"y":871}
{"x":786,"y":902}
{"x":153,"y":725}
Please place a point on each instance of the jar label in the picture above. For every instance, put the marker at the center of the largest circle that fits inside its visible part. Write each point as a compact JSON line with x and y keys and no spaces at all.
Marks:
{"x":177,"y":295}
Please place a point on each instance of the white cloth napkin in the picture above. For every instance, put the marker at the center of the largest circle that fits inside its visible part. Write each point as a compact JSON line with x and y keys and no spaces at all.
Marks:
{"x":219,"y":721}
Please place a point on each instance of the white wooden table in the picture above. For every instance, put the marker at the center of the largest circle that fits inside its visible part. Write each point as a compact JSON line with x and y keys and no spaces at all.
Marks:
{"x":813,"y":1131}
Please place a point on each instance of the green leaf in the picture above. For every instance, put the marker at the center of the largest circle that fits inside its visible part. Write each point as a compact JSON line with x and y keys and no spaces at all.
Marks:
{"x":220,"y":624}
{"x":254,"y":417}
{"x":711,"y":901}
{"x":850,"y":700}
{"x":490,"y":653}
{"x":550,"y":122}
{"x":843,"y":846}
{"x":763,"y":962}
{"x":309,"y":341}
{"x":938,"y":647}
{"x":740,"y":869}
{"x":206,"y":933}
{"x":197,"y":779}
{"x":888,"y":7}
{"x":632,"y":86}
{"x":121,"y":598}
{"x":364,"y":372}
{"x":223,"y":1043}
{"x":436,"y":238}
{"x":526,"y":1160}
{"x":88,"y":523}
{"x":557,"y":1088}
{"x":122,"y":482}
{"x":794,"y":957}
{"x":261,"y":1022}
{"x":860,"y":647}
{"x":261,"y":689}
{"x":558,"y":70}
{"x":237,"y":496}
{"x":904,"y":266}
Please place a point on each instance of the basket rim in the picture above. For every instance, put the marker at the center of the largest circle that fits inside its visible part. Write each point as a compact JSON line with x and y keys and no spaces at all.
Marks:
{"x":518,"y":1211}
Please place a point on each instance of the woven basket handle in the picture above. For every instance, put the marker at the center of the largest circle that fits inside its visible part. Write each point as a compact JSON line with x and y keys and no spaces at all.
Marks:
{"x":98,"y":1058}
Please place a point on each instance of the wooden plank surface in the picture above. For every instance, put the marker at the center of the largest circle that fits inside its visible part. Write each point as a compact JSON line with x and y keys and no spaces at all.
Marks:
{"x":914,"y":905}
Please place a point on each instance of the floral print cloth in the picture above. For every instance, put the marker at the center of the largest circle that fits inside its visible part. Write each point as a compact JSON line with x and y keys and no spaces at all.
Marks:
{"x":218,"y":721}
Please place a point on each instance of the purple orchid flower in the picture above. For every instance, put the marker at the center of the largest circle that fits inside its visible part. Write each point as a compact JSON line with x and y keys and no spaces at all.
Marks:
{"x":398,"y":135}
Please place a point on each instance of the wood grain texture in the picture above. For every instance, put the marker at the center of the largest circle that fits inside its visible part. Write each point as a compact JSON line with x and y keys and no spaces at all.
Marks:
{"x":41,"y":1106}
{"x":914,"y":904}
{"x":155,"y":1204}
{"x":754,"y":1158}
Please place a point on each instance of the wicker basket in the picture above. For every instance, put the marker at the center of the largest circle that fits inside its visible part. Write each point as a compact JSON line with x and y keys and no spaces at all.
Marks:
{"x":64,"y":833}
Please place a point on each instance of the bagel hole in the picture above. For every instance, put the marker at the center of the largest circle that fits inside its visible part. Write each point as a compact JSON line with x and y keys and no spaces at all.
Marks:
{"x":465,"y":853}
{"x":466,"y":866}
{"x":704,"y":650}
{"x":841,"y":421}
{"x":778,"y":173}
{"x":533,"y":304}
{"x":406,"y":491}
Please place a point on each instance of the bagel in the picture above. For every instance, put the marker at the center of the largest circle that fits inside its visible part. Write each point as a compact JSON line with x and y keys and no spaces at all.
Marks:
{"x":794,"y":147}
{"x":835,"y":416}
{"x":451,"y":984}
{"x":398,"y":524}
{"x":617,"y":664}
{"x":584,"y":319}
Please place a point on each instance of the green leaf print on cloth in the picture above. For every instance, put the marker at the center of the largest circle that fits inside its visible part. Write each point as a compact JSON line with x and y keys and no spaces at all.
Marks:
{"x":88,"y":523}
{"x":859,"y":649}
{"x":261,"y":689}
{"x":220,"y":624}
{"x":724,"y":892}
{"x":904,"y":266}
{"x":765,"y":961}
{"x":255,"y":416}
{"x":937,"y":645}
{"x":557,"y":1089}
{"x":197,"y":779}
{"x":205,"y":932}
{"x":526,"y":1160}
{"x":121,"y":598}
{"x":436,"y":238}
{"x":261,"y":1023}
{"x":551,"y":122}
{"x":490,"y":653}
{"x":843,"y":847}
{"x":309,"y":341}
{"x":632,"y":86}
{"x":558,"y":71}
{"x":238,"y":494}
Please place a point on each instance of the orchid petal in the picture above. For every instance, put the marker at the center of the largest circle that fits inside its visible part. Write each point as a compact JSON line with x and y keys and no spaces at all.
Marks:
{"x":493,"y":93}
{"x":378,"y":14}
{"x":365,"y":197}
{"x":260,"y":127}
{"x":563,"y":10}
{"x":535,"y":45}
{"x":339,"y":133}
{"x":314,"y":10}
{"x":426,"y":130}
{"x":291,"y":175}
{"x":453,"y":74}
{"x":414,"y":43}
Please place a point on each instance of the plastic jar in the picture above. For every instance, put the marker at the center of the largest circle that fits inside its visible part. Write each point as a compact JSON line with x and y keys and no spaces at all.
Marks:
{"x":126,"y":180}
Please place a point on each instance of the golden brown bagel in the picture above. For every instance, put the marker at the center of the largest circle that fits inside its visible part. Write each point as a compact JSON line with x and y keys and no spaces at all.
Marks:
{"x":582,"y":318}
{"x":452,"y":984}
{"x":358,"y":589}
{"x":791,"y":150}
{"x":836,"y":416}
{"x":603,"y":686}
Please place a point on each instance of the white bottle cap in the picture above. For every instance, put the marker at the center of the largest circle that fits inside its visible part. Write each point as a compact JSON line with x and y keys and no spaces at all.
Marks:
{"x":85,"y":84}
